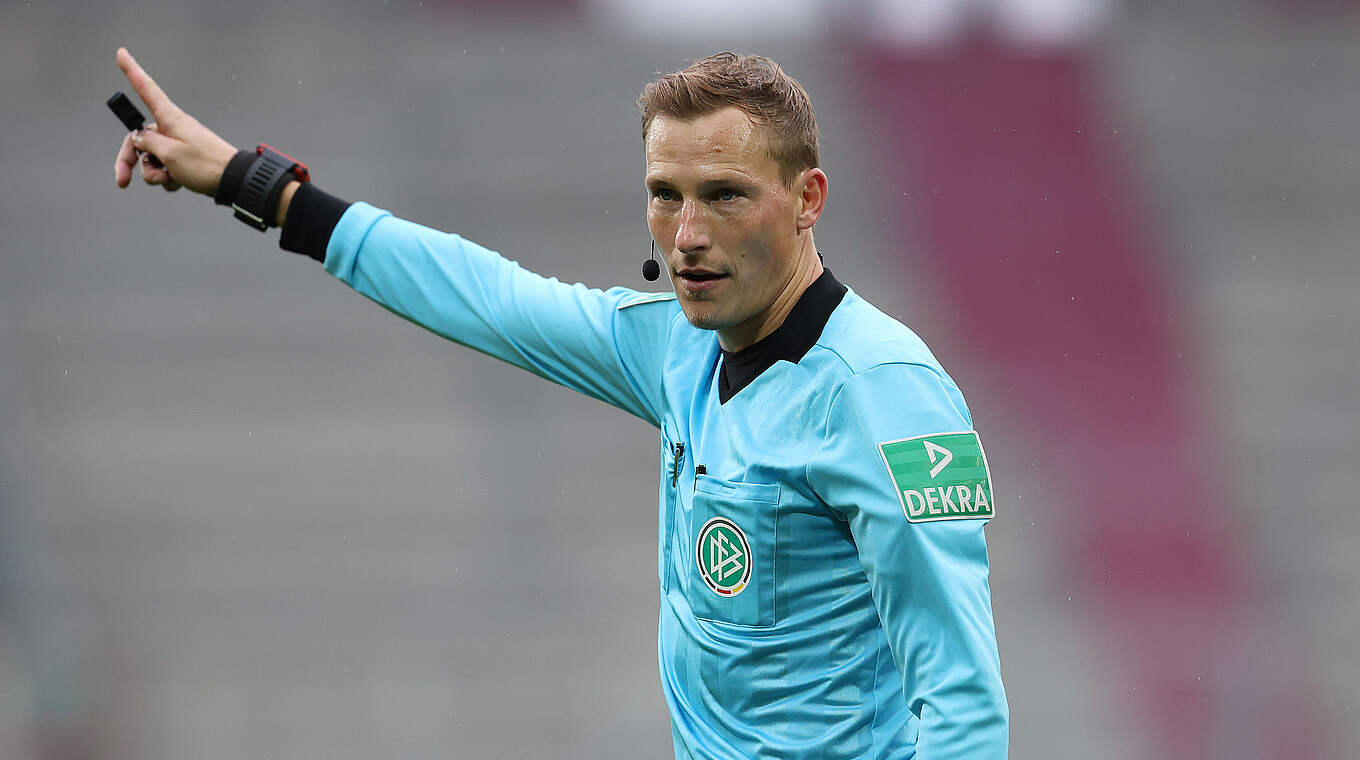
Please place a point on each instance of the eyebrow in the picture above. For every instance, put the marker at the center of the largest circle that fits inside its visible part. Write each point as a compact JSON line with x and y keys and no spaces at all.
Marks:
{"x":708,"y":184}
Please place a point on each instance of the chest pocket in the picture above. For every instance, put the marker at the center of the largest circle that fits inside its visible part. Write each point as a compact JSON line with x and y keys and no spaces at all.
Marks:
{"x":733,"y":526}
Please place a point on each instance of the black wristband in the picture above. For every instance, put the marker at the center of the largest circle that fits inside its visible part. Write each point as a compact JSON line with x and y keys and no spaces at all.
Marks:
{"x":258,"y":196}
{"x":232,"y":176}
{"x":312,"y":217}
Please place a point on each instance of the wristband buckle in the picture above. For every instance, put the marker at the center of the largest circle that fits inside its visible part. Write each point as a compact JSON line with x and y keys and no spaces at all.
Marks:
{"x":254,"y":221}
{"x":258,"y":196}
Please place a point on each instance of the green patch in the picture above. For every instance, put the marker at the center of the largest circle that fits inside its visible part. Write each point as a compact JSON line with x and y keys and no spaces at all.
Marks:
{"x":724,"y":557}
{"x":940,"y":477}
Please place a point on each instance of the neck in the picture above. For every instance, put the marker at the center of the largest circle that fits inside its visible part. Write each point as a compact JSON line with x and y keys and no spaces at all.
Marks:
{"x":806,"y":272}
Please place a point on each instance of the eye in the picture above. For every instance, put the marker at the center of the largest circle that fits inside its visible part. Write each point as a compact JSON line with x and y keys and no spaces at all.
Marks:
{"x":727,"y":194}
{"x":665,"y":194}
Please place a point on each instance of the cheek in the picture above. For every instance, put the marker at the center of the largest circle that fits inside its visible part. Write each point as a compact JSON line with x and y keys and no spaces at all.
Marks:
{"x":661,"y":225}
{"x":760,"y":231}
{"x":755,"y":250}
{"x":756,"y":245}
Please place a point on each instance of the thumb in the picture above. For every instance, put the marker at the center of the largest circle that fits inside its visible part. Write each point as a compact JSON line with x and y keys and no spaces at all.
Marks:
{"x":153,"y":142}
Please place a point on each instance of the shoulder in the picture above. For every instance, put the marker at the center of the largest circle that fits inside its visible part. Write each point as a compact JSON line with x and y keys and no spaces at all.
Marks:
{"x":628,"y":298}
{"x":644,"y":307}
{"x":870,"y":363}
{"x":860,"y":339}
{"x":636,"y":309}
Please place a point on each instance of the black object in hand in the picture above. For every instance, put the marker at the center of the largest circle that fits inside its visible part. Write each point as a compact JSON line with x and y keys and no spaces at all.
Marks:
{"x":131,"y":118}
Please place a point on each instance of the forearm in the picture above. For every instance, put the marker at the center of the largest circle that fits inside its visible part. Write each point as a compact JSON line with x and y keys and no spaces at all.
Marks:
{"x":575,"y":336}
{"x":285,"y":201}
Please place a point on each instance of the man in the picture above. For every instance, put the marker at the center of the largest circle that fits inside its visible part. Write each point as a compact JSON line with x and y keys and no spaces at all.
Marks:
{"x":822,"y":564}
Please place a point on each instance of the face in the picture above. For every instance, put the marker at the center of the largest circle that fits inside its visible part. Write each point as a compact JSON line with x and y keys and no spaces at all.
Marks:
{"x":719,"y":210}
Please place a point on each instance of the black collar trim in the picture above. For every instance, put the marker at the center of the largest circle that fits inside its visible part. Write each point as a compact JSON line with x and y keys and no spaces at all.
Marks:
{"x":790,"y":341}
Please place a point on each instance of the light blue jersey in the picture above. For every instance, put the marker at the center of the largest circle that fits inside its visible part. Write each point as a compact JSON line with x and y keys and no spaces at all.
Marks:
{"x":822,"y":565}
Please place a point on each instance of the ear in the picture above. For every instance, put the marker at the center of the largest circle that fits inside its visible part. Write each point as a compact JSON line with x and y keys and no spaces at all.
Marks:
{"x":812,"y":187}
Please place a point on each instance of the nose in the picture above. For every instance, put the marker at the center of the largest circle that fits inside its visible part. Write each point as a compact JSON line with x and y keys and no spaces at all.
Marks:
{"x":691,"y":236}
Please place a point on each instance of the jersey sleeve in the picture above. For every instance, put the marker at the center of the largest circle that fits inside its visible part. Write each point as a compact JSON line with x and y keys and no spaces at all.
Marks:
{"x":586,"y":339}
{"x":928,"y":579}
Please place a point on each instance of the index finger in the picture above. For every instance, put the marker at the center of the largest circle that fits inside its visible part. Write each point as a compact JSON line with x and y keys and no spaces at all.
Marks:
{"x":155,"y":98}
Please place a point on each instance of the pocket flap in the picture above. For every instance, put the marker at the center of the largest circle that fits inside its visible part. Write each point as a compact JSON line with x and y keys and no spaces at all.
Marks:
{"x":735,"y":489}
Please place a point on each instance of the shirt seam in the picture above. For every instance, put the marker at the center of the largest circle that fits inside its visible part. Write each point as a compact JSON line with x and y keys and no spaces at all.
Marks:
{"x":659,"y":411}
{"x":878,"y":670}
{"x":836,"y":394}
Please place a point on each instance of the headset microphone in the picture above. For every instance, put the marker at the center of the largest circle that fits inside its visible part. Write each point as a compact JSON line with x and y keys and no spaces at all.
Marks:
{"x":650,"y":269}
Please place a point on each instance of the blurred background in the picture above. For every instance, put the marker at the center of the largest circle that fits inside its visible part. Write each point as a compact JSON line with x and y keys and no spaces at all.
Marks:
{"x":245,"y":512}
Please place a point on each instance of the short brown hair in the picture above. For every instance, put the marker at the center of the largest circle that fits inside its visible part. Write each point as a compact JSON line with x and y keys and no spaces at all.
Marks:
{"x":757,"y":86}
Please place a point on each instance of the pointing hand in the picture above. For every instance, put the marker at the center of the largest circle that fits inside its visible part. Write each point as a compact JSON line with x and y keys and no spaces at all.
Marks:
{"x":193,"y":155}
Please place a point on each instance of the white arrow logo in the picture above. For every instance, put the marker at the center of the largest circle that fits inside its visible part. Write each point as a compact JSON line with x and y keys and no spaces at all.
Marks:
{"x":932,"y":449}
{"x":724,"y":557}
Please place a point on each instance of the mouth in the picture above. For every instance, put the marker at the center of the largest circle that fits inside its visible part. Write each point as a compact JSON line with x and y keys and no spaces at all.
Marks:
{"x":699,"y":279}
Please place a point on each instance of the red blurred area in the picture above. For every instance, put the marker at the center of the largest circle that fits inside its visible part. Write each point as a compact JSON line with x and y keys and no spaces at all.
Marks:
{"x":1030,"y":222}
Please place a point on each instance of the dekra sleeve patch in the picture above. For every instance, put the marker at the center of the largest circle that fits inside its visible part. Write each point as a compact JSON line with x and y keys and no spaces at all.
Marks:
{"x":943,"y":476}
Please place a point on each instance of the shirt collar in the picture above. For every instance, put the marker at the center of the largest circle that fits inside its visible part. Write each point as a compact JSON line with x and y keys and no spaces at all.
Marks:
{"x":790,"y":341}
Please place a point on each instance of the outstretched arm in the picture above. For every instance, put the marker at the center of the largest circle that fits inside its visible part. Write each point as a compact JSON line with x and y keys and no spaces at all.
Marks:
{"x":589,"y":340}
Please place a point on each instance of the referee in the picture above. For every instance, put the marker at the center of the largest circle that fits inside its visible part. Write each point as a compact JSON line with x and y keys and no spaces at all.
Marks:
{"x":822,"y":492}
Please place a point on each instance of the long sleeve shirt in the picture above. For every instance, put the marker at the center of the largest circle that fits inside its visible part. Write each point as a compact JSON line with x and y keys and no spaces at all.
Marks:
{"x":821,"y":495}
